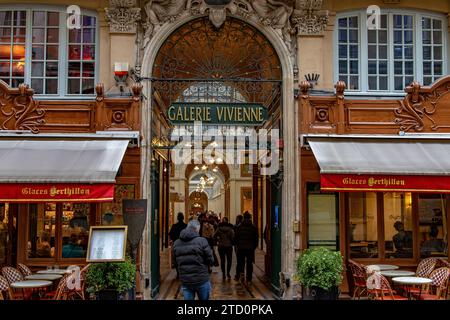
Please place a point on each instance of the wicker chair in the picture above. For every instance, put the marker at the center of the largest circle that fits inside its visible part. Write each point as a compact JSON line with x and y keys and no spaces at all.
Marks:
{"x":359,"y":276}
{"x":386,"y":292}
{"x":424,"y":269}
{"x":24,"y":269}
{"x":436,"y":290}
{"x":61,"y":292}
{"x":13,"y":275}
{"x":5,"y":288}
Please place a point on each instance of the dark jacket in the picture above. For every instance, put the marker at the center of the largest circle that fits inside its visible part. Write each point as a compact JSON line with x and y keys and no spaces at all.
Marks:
{"x":224,"y":235}
{"x":246,"y":236}
{"x":192,"y":255}
{"x":175,"y":230}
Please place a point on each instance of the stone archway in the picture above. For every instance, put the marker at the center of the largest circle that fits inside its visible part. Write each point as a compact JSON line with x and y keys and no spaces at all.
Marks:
{"x":291,"y":195}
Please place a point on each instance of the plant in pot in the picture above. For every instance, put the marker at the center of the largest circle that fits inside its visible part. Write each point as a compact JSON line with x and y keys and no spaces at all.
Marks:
{"x":319,"y":272}
{"x":110,"y":280}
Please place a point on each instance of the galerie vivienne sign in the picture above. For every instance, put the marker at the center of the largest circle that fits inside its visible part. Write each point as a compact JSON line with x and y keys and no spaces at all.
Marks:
{"x":217,"y":113}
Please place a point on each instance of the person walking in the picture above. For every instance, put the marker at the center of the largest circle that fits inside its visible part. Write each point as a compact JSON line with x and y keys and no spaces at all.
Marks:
{"x":224,"y":236}
{"x":174,"y":234}
{"x":176,"y":228}
{"x":193,"y":256}
{"x":246,"y":241}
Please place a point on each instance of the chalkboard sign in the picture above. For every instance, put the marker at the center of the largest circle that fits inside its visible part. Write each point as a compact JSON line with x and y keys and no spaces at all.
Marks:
{"x":107,"y":244}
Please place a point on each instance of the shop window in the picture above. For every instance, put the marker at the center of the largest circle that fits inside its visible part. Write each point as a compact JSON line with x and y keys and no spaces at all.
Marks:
{"x":323,"y":222}
{"x":398,"y":225}
{"x":363,"y":235}
{"x":75,"y":229}
{"x":42,"y":231}
{"x":59,"y":230}
{"x":432,"y":226}
{"x":37,"y":48}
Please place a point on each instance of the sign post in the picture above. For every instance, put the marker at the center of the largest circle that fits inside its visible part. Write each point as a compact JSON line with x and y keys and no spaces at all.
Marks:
{"x":134,"y":216}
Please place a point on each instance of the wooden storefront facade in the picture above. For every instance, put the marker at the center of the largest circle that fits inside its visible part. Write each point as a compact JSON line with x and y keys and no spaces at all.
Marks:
{"x":69,"y":119}
{"x":422,"y":112}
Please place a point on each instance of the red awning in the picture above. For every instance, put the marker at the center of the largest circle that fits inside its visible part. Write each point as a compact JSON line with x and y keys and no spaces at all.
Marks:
{"x":366,"y":182}
{"x":383,"y":163}
{"x":23,"y":192}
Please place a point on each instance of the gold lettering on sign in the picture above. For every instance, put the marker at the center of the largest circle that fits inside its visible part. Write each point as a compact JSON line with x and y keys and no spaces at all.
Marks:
{"x":208,"y":114}
{"x":171,"y":113}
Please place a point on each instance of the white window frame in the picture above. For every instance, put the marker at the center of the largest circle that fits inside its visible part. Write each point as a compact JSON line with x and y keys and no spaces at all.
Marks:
{"x":363,"y":49}
{"x":63,"y":48}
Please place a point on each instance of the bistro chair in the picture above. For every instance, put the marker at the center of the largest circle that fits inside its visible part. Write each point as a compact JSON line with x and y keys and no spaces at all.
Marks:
{"x":385,"y":292}
{"x":61,"y":292}
{"x":437,"y":289}
{"x":424,"y":269}
{"x":13,"y":275}
{"x":359,"y":276}
{"x":4,"y":287}
{"x":24,"y":269}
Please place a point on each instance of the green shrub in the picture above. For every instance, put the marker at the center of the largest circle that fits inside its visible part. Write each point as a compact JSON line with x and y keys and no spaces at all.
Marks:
{"x":118,"y":276}
{"x":320,"y":267}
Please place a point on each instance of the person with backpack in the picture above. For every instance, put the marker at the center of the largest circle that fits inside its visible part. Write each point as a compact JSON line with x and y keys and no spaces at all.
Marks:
{"x":207,"y":231}
{"x":224,"y":236}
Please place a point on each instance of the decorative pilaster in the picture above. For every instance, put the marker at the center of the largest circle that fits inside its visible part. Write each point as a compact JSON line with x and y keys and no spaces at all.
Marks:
{"x":310,"y":19}
{"x":122,"y":16}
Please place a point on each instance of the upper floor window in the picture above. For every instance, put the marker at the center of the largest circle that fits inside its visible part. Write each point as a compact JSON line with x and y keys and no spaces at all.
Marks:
{"x":406,"y":46}
{"x":37,"y":48}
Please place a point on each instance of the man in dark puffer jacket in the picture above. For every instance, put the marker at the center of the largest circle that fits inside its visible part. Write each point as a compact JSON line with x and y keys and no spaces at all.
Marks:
{"x":193,"y":255}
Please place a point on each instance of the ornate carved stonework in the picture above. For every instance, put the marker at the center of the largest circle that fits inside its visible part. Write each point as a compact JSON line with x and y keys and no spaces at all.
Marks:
{"x":18,"y":109}
{"x":123,"y":16}
{"x":310,"y":19}
{"x":275,"y":14}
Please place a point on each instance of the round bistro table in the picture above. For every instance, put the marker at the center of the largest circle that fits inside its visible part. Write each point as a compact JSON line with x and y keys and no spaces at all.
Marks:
{"x":30,"y":284}
{"x":43,"y":276}
{"x":383,"y":267}
{"x":397,"y":273}
{"x":55,"y":271}
{"x":411,"y":281}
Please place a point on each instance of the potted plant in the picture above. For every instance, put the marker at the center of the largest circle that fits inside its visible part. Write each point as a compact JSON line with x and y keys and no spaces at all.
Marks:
{"x":110,"y":280}
{"x":319,"y":271}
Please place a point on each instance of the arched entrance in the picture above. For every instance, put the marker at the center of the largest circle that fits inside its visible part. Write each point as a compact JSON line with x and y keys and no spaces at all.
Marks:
{"x":235,"y":63}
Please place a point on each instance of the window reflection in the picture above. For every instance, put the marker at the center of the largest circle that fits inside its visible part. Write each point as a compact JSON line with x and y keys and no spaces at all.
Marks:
{"x":432,"y":225}
{"x":41,"y":233}
{"x":75,"y":229}
{"x":363,"y":225}
{"x":398,"y":225}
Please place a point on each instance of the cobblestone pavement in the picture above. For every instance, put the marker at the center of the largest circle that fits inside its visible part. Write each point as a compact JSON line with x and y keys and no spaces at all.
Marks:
{"x":229,"y":289}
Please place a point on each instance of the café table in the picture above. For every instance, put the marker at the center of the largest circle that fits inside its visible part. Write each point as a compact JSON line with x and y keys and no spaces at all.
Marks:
{"x":383,"y":267}
{"x":55,"y":271}
{"x":44,"y":276}
{"x":30,"y":284}
{"x":397,"y":273}
{"x":411,"y":281}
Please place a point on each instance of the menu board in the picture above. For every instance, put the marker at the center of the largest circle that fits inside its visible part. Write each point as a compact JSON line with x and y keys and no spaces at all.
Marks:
{"x":107,"y":244}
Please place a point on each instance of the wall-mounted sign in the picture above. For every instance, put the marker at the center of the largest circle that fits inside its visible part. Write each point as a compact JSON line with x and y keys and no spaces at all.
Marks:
{"x":107,"y":244}
{"x":217,"y":113}
{"x":134,"y":216}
